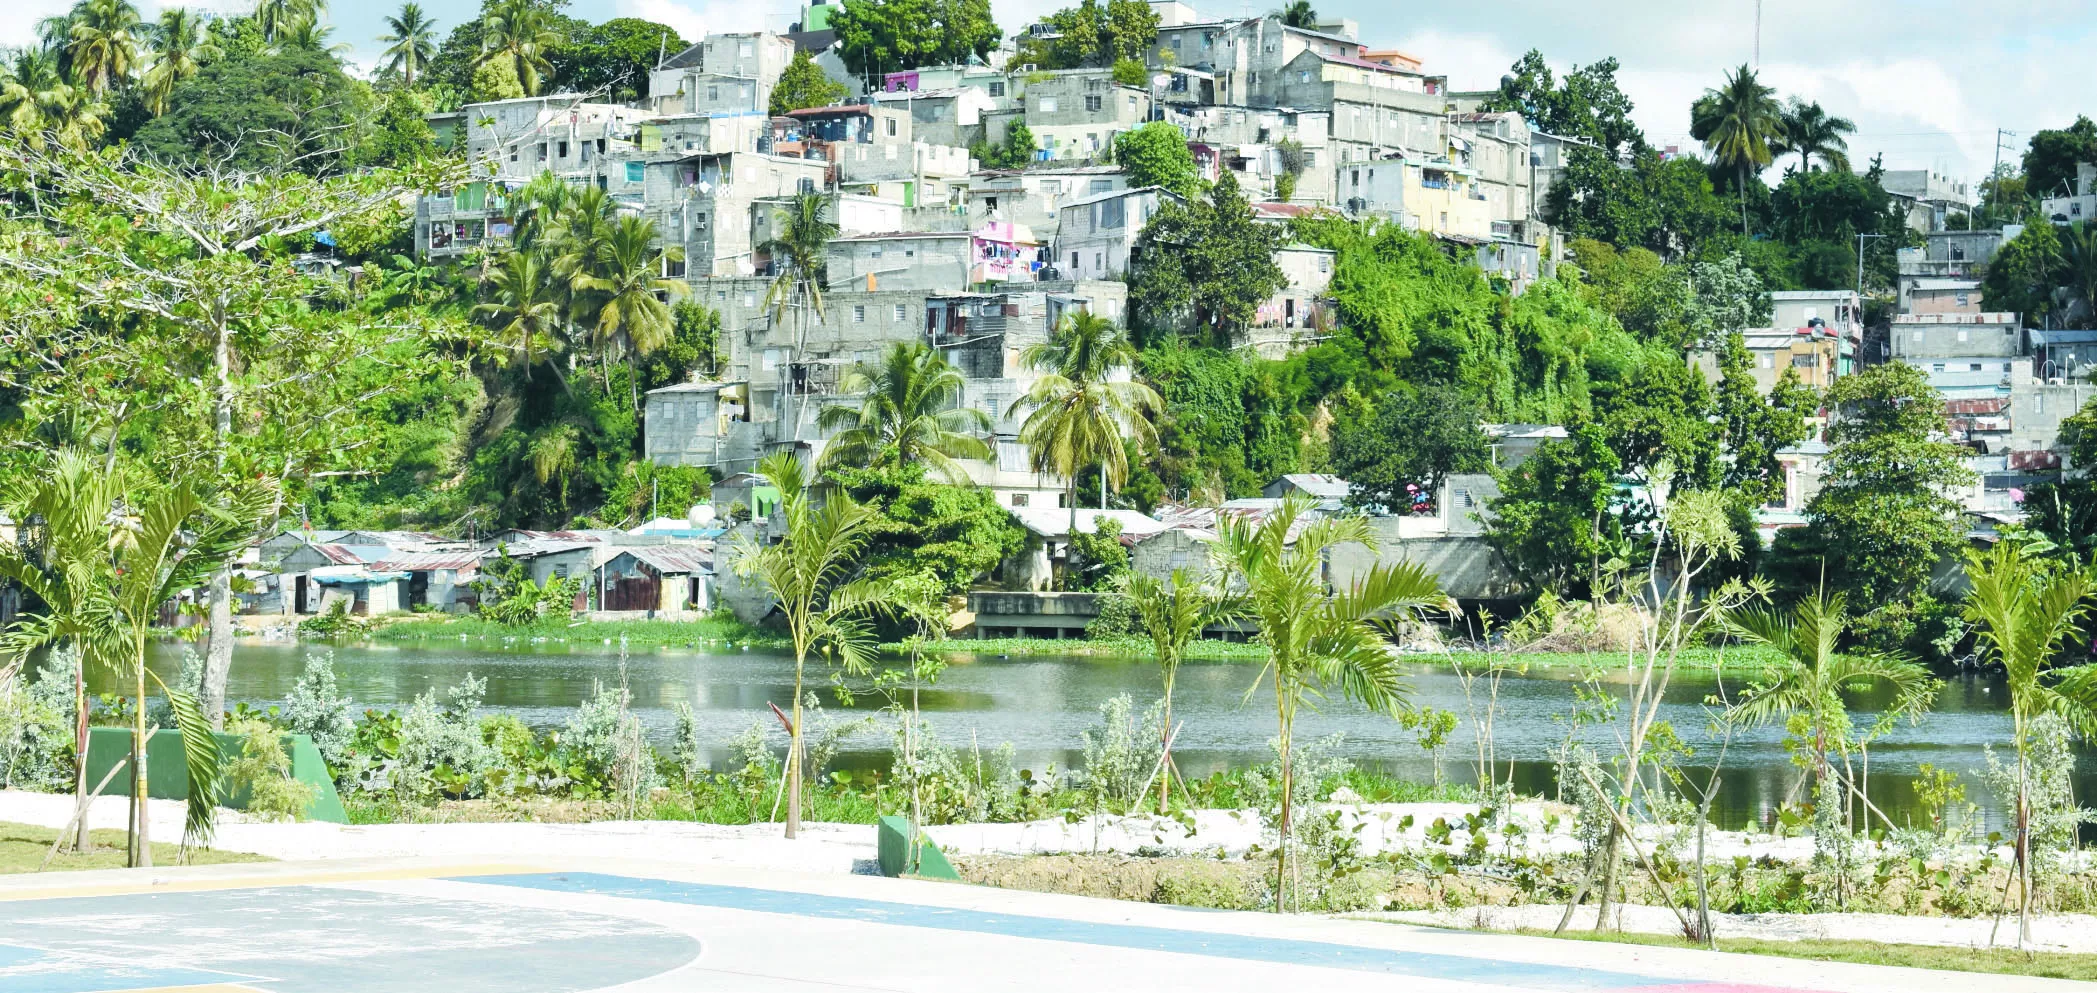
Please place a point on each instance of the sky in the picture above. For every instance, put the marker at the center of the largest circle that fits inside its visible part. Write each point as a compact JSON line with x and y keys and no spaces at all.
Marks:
{"x":1927,"y":82}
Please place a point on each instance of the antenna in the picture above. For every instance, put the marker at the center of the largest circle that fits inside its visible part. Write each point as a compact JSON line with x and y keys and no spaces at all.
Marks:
{"x":1758,"y":34}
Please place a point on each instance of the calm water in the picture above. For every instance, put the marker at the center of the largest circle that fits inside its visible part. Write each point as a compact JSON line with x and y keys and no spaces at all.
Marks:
{"x":1041,"y":704}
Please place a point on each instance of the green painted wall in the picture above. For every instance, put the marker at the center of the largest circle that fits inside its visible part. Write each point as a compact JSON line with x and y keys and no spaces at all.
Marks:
{"x":167,"y":780}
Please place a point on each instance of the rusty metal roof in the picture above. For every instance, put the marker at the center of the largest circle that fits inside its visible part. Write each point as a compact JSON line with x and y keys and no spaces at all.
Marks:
{"x":426,"y":561}
{"x":673,"y":558}
{"x":337,"y":553}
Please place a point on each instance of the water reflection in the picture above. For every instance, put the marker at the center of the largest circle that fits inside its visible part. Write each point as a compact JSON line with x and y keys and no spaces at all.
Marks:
{"x":1040,"y":705}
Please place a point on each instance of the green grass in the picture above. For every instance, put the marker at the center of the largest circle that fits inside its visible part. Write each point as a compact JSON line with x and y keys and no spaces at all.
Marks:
{"x":1202,"y":651}
{"x":2003,"y":961}
{"x":1739,"y":658}
{"x":22,"y":849}
{"x":710,"y":630}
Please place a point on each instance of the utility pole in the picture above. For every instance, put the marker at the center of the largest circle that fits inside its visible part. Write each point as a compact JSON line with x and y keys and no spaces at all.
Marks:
{"x":1995,"y":177}
{"x":1860,"y":265}
{"x":1758,"y":34}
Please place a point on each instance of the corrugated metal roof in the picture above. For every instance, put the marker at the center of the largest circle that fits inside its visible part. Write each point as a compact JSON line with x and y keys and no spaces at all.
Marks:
{"x":337,"y":554}
{"x":1991,"y":405}
{"x":673,"y":558}
{"x":426,"y":561}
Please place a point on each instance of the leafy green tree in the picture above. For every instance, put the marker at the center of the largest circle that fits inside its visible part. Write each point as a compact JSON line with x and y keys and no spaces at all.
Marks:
{"x":295,"y":110}
{"x":875,"y":37}
{"x":411,"y":44}
{"x":1093,"y":35}
{"x":1230,"y":424}
{"x":2025,"y":272}
{"x":1204,"y":267}
{"x":2050,"y":158}
{"x":2026,"y":612}
{"x":1738,"y":123}
{"x":1551,"y":523}
{"x":520,"y":35}
{"x":180,"y":47}
{"x":278,"y":19}
{"x":1319,"y":640}
{"x":1754,"y":428}
{"x":1586,"y":104}
{"x":957,"y":536}
{"x":1097,"y":561}
{"x":621,"y":279}
{"x":1667,"y":206}
{"x":1812,"y":133}
{"x":1084,"y":412}
{"x":1882,"y":520}
{"x":1415,"y":437}
{"x":1658,"y":416}
{"x":526,"y":319}
{"x":910,"y":414}
{"x":2079,"y":265}
{"x":803,"y":85}
{"x":613,"y":58}
{"x":1156,"y":154}
{"x":812,"y":574}
{"x":1017,"y":151}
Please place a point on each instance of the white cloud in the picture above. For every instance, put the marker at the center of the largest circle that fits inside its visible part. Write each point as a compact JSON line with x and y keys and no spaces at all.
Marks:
{"x":18,"y":27}
{"x":694,"y":21}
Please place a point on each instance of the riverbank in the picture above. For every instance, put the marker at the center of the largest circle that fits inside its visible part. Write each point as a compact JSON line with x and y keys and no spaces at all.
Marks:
{"x":723,"y":631}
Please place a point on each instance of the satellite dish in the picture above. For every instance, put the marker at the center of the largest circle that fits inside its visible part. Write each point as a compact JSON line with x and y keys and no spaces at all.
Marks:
{"x":700,"y":515}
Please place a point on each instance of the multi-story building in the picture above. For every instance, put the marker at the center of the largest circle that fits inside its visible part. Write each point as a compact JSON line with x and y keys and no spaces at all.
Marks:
{"x":510,"y":142}
{"x":1035,"y":197}
{"x":1073,"y":113}
{"x":1931,"y":196}
{"x":951,"y":115}
{"x":1433,"y":196}
{"x":722,"y":73}
{"x":1965,"y":356}
{"x":1095,"y":234}
{"x":704,"y":201}
{"x":1255,"y":134}
{"x":1816,"y":355}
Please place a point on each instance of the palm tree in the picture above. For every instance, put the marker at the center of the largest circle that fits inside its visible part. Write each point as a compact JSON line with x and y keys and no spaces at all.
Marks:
{"x":2025,"y":612}
{"x":309,"y":35}
{"x":911,"y":413}
{"x":553,"y":456}
{"x":538,"y":208}
{"x":2079,"y":264}
{"x":133,"y":545}
{"x":102,"y":45}
{"x":810,"y":573}
{"x":1086,"y":407}
{"x":411,"y":45}
{"x":518,"y":32}
{"x":1814,"y":133}
{"x":1174,"y":613}
{"x":1318,"y":640}
{"x":523,"y":312}
{"x":278,"y":18}
{"x":622,"y":276}
{"x":38,"y":106}
{"x":1738,"y":123}
{"x":1814,"y":676}
{"x":1298,"y":14}
{"x":801,"y":233}
{"x":180,"y":47}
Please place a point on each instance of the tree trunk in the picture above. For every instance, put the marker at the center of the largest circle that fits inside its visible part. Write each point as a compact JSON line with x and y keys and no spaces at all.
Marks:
{"x":1165,"y":752}
{"x":1611,"y":858}
{"x":793,"y":757}
{"x":82,"y":841}
{"x":1281,"y":856}
{"x":218,"y":643}
{"x":141,"y":835}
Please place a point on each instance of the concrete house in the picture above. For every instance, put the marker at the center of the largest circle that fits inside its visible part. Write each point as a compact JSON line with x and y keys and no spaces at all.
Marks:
{"x":722,"y":73}
{"x":509,"y":142}
{"x":1094,"y":234}
{"x":1814,"y":354}
{"x":1293,"y":313}
{"x":1036,"y":197}
{"x":664,"y":580}
{"x":1964,"y":355}
{"x":1073,"y":113}
{"x":2078,"y":202}
{"x":704,"y":201}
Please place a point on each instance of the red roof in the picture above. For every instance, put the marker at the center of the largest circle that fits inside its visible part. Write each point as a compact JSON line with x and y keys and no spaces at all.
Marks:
{"x":1982,"y":407}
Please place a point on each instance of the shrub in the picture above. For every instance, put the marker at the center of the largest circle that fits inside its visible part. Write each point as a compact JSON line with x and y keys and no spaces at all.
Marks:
{"x":315,"y":711}
{"x":441,"y":748}
{"x":1121,"y":753}
{"x":335,"y":622}
{"x":263,"y":770}
{"x":36,"y":727}
{"x":607,"y":748}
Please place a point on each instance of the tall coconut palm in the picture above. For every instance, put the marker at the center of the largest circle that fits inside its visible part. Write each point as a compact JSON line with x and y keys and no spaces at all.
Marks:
{"x":1174,"y":613}
{"x":524,"y":313}
{"x":311,"y":36}
{"x":1319,"y":641}
{"x":810,"y":572}
{"x":519,"y":32}
{"x":801,"y":233}
{"x":1812,"y":133}
{"x":279,"y":18}
{"x":180,"y":47}
{"x":1813,"y":677}
{"x":910,"y":413}
{"x":2079,"y":265}
{"x":1738,"y":124}
{"x":622,"y":273}
{"x":102,"y":44}
{"x":1086,"y":405}
{"x":1298,"y":14}
{"x":2025,"y":611}
{"x":538,"y":208}
{"x":38,"y":106}
{"x":132,"y":546}
{"x":412,"y":44}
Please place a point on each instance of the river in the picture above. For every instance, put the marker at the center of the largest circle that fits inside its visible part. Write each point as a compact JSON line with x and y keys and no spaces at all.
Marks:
{"x":1040,"y":704}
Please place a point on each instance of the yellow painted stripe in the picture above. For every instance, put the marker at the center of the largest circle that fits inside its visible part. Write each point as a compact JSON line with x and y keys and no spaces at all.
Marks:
{"x":148,"y":883}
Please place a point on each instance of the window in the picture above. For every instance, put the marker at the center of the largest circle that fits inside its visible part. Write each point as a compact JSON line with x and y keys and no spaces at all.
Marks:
{"x":859,"y":313}
{"x":721,"y":297}
{"x":1936,"y":367}
{"x":876,"y":253}
{"x":1113,"y":213}
{"x":513,"y":153}
{"x":749,"y":300}
{"x":2005,"y":368}
{"x":1918,"y":337}
{"x":1046,"y":105}
{"x":746,"y":49}
{"x":1769,"y":361}
{"x":891,"y":127}
{"x":1175,"y":43}
{"x":1963,"y":334}
{"x":771,"y":359}
{"x":1310,"y":158}
{"x":563,"y":149}
{"x":1099,"y":186}
{"x":1052,"y":187}
{"x":1073,"y":261}
{"x":1019,"y":499}
{"x":713,"y":93}
{"x":1099,"y":262}
{"x":1974,"y":367}
{"x":1132,"y":103}
{"x":636,"y":172}
{"x":1962,"y":298}
{"x":997,"y":89}
{"x":990,"y":203}
{"x":1324,"y":265}
{"x":1303,"y":75}
{"x":902,"y":313}
{"x":1092,"y":103}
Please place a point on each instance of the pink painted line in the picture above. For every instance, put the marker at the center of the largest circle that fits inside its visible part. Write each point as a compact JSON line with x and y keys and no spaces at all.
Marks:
{"x":1709,"y":987}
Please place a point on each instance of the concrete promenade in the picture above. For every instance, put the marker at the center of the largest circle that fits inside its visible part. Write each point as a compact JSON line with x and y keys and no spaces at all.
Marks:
{"x":361,"y":926}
